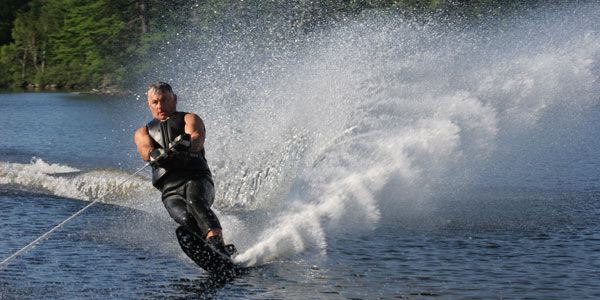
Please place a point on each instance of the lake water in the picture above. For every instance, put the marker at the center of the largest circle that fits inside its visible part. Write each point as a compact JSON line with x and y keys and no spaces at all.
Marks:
{"x":374,"y":162}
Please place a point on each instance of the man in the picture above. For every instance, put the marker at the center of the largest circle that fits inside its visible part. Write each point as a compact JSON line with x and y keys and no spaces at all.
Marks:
{"x":173,"y":143}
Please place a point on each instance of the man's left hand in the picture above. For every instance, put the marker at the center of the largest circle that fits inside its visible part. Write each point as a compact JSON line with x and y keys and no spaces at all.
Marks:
{"x":181,"y":143}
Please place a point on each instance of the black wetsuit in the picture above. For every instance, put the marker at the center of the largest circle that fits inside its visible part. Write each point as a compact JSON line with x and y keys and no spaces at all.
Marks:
{"x":184,"y":179}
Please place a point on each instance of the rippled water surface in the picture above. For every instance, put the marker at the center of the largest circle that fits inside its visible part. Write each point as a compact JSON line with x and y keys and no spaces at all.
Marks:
{"x":379,"y":158}
{"x":550,"y":254}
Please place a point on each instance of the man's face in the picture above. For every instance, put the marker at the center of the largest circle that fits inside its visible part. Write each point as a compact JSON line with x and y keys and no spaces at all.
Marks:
{"x":162,"y":105}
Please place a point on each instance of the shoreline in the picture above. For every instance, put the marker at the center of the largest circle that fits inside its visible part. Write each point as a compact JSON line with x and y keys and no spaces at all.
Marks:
{"x":76,"y":91}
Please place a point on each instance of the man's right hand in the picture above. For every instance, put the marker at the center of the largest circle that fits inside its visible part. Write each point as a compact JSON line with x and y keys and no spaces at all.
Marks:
{"x":157,"y":156}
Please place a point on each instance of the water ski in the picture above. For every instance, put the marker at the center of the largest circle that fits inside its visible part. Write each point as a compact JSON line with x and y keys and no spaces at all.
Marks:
{"x":206,"y":257}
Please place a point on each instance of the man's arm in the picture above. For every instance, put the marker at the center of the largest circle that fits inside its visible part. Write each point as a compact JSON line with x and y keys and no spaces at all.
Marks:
{"x":143,"y":142}
{"x":195,"y":128}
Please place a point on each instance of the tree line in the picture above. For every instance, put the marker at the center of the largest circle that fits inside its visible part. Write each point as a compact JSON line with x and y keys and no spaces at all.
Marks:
{"x":75,"y":43}
{"x":85,"y":44}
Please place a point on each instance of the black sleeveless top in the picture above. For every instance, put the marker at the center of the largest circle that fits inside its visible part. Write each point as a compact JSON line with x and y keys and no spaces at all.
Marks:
{"x":179,"y":165}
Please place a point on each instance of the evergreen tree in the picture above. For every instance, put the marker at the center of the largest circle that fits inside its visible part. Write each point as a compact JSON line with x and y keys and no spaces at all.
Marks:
{"x":96,"y":43}
{"x":84,"y":39}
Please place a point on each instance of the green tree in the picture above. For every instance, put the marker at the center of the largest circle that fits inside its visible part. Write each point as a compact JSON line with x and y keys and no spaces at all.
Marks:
{"x":31,"y":30}
{"x":29,"y":49}
{"x":11,"y":65}
{"x":83,"y":41}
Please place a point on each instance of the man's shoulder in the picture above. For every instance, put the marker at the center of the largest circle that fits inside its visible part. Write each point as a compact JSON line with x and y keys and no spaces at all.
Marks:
{"x":185,"y":113}
{"x":142,"y":130}
{"x":141,"y":134}
{"x":190,"y":116}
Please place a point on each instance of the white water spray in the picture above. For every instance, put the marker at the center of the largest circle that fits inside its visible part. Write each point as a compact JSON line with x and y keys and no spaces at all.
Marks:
{"x":65,"y":181}
{"x":376,"y":114}
{"x":369,"y":121}
{"x":358,"y":121}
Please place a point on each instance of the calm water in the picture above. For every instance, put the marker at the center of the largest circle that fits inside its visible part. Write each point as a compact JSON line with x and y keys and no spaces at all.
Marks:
{"x":377,"y":159}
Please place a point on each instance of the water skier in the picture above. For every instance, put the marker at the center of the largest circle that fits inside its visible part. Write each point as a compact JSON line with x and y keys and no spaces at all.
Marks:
{"x":173,"y":143}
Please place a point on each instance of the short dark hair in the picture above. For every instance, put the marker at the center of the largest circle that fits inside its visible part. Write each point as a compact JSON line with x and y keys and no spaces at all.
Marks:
{"x":160,"y":87}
